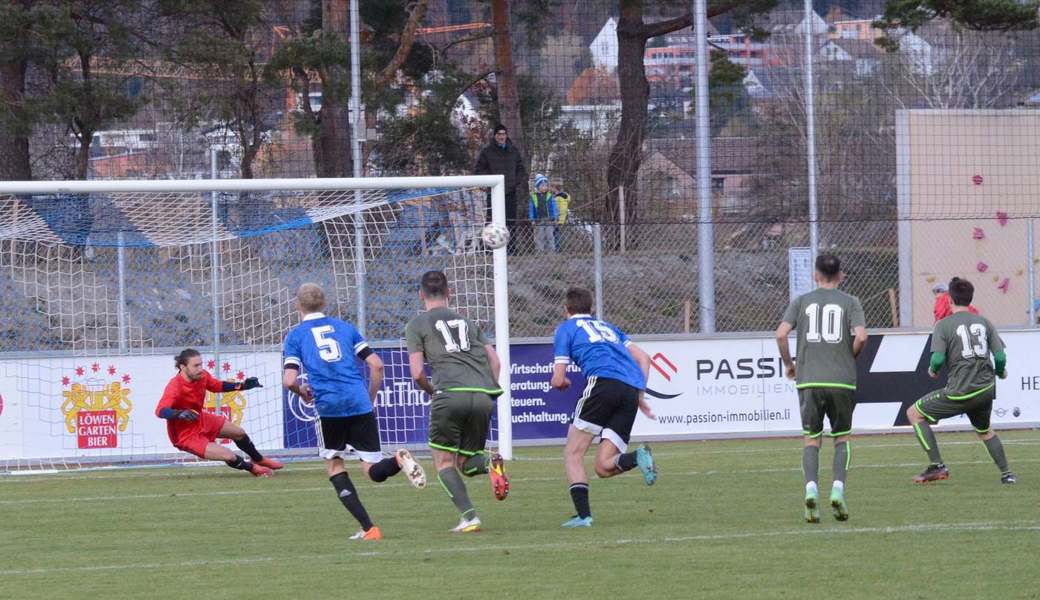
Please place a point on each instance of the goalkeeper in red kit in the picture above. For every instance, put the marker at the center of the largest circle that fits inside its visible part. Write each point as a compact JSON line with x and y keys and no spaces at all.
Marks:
{"x":194,"y":430}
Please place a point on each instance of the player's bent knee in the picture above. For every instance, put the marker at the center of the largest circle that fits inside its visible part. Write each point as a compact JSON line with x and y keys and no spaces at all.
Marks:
{"x":913,"y":415}
{"x":334,"y":467}
{"x":366,"y":468}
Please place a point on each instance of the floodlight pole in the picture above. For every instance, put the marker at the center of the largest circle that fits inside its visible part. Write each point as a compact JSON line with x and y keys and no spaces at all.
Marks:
{"x":810,"y":132}
{"x":355,"y":146}
{"x":705,"y":223}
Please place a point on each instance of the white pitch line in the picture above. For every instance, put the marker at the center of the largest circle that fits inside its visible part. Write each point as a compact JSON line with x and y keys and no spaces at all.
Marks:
{"x":853,"y":468}
{"x":376,"y":487}
{"x":1010,"y":526}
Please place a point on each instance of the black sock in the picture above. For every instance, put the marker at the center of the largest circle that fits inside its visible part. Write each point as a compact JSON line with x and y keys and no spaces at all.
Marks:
{"x":580,"y":497}
{"x":625,"y":462}
{"x":246,"y":445}
{"x":384,"y":469}
{"x":348,"y":496}
{"x":240,"y":463}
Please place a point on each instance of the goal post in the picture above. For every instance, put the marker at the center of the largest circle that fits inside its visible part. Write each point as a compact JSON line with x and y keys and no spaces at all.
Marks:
{"x":104,"y":281}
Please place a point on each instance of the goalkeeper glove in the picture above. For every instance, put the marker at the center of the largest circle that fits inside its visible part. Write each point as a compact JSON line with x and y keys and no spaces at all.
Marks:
{"x":250,"y":383}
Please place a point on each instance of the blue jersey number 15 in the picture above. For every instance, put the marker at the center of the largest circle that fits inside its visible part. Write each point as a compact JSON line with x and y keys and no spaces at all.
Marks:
{"x":598,"y":331}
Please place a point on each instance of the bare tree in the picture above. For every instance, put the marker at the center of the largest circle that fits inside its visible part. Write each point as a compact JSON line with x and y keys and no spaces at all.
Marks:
{"x":957,"y":69}
{"x":221,"y":43}
{"x":316,"y":57}
{"x":505,"y":75}
{"x":854,"y":136}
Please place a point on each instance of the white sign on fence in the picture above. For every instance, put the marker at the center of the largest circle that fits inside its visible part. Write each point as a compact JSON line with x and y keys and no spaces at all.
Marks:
{"x":105,"y":406}
{"x":800,"y":271}
{"x":701,"y":387}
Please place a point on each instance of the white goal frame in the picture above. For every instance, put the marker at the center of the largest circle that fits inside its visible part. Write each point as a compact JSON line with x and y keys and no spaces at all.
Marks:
{"x":495,"y":183}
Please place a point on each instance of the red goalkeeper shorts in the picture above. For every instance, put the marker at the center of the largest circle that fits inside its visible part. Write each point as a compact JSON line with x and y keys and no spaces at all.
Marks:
{"x":194,"y":437}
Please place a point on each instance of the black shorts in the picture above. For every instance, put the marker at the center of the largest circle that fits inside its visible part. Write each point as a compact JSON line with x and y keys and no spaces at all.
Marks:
{"x":359,"y":432}
{"x":607,"y":408}
{"x":836,"y":404}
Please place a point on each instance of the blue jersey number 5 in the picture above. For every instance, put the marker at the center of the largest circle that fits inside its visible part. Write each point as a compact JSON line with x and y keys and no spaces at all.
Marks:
{"x":328,"y":347}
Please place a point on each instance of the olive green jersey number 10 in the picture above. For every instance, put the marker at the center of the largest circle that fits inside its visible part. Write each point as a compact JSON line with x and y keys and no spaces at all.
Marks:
{"x":824,"y":323}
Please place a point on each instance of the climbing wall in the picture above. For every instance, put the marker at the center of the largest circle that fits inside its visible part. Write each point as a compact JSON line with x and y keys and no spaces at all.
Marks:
{"x":969,"y":182}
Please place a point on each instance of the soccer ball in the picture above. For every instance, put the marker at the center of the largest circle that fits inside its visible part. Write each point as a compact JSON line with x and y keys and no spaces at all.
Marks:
{"x":494,"y":236}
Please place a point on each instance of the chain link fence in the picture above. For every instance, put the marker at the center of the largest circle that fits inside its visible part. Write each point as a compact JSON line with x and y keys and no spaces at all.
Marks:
{"x":650,"y":286}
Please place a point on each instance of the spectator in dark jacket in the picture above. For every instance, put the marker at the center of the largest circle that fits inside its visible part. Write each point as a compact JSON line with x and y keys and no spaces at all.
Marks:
{"x":501,"y":157}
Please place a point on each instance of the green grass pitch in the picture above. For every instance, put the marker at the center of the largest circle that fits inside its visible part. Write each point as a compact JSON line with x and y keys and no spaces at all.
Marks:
{"x":723,"y":521}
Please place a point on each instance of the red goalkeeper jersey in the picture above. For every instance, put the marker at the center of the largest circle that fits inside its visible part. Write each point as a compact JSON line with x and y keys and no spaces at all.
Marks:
{"x":181,"y":393}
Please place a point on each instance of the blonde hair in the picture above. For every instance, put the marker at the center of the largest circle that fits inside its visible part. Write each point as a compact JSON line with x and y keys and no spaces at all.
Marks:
{"x":310,"y":297}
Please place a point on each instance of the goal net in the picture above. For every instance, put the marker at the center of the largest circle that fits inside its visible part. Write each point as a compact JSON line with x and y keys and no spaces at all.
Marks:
{"x":105,"y":281}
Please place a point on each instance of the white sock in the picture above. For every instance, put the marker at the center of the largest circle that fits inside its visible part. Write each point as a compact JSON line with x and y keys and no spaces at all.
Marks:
{"x":838,"y":485}
{"x":810,"y":488}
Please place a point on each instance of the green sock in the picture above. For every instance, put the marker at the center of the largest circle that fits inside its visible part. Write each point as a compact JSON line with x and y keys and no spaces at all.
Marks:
{"x":996,"y":451}
{"x":811,"y":463}
{"x":842,"y":459}
{"x":477,"y":464}
{"x":452,"y":483}
{"x":927,"y":439}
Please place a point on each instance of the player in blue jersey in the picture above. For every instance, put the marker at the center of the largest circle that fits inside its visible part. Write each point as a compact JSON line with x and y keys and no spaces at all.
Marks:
{"x":616,"y":370}
{"x":324,"y":349}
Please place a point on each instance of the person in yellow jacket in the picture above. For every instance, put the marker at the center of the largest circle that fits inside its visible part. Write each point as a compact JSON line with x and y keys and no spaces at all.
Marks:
{"x":541,"y":211}
{"x":563,"y":201}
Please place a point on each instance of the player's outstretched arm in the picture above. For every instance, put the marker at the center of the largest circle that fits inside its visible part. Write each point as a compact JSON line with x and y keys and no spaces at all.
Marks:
{"x":782,"y":332}
{"x":240,"y":386}
{"x":218,"y":386}
{"x":175,"y":414}
{"x":416,"y":365}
